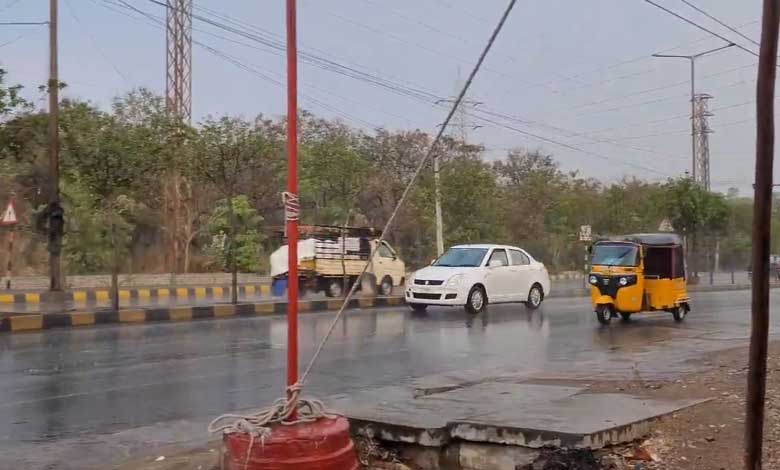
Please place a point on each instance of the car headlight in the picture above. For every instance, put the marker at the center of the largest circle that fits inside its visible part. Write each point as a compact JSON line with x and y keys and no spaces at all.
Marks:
{"x":623,"y":281}
{"x":593,"y":280}
{"x":455,"y":280}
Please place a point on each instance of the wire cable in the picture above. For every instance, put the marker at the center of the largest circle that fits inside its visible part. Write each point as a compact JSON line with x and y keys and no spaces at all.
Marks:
{"x":730,"y":28}
{"x":431,"y":151}
{"x":84,"y":29}
{"x":694,"y":24}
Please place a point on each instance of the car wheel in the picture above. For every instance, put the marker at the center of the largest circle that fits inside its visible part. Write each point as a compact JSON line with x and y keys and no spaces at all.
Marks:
{"x":386,"y":288}
{"x":418,"y":307}
{"x":477,"y":300}
{"x":625,"y":316}
{"x":604,"y":314}
{"x":535,"y":297}
{"x":334,"y":288}
{"x":679,"y":313}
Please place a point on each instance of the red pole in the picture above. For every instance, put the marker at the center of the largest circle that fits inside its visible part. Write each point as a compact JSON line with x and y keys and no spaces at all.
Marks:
{"x":292,"y":189}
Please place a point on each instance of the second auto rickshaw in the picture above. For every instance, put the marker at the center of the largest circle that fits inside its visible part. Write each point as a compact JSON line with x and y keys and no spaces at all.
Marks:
{"x":638,"y":273}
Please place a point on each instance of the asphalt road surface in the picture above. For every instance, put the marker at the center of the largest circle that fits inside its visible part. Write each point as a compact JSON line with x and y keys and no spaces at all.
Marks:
{"x":87,"y":398}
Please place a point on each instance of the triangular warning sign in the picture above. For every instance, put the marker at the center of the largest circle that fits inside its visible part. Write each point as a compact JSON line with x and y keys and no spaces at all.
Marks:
{"x":9,"y":216}
{"x":666,"y":226}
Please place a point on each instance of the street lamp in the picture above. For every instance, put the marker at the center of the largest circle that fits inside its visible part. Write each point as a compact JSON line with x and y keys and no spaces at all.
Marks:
{"x":692,"y":59}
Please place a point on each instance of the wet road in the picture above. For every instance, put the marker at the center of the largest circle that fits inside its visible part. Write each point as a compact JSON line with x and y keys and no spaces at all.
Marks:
{"x":84,"y":398}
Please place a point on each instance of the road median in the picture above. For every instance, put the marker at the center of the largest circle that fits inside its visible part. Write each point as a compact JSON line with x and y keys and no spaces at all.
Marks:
{"x":44,"y":321}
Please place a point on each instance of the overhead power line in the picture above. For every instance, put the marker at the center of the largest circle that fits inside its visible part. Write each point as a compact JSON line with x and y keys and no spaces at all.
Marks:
{"x":23,"y":23}
{"x":696,"y":25}
{"x":160,"y":24}
{"x":84,"y":29}
{"x":412,"y":92}
{"x":9,"y":5}
{"x":730,"y":28}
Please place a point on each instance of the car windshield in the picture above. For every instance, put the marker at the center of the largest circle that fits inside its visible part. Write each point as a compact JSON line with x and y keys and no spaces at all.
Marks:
{"x":462,"y":258}
{"x":615,"y":255}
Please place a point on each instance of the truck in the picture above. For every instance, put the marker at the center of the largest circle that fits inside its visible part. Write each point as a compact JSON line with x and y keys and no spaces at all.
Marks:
{"x":332,"y":258}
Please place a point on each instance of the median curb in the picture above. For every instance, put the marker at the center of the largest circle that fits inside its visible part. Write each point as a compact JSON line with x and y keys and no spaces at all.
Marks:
{"x":103,"y":295}
{"x":33,"y":322}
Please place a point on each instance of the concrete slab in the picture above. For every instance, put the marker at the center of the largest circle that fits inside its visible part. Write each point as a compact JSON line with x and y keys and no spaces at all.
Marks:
{"x":518,"y":414}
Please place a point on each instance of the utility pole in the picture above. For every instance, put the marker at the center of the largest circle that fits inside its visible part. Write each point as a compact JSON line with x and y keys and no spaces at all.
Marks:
{"x":437,"y":203}
{"x":692,"y":59}
{"x":54,"y":211}
{"x":762,"y":216}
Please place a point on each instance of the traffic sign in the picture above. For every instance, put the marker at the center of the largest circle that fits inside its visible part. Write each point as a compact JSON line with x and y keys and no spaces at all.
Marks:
{"x":585,"y":233}
{"x":9,"y":216}
{"x":666,"y":226}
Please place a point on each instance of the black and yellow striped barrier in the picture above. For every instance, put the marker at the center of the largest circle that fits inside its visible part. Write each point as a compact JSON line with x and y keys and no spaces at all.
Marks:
{"x":148,"y":294}
{"x":32,"y":322}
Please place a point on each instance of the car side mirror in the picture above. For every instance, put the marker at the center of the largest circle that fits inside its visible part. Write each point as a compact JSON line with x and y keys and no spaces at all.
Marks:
{"x":494,"y":263}
{"x":432,"y":261}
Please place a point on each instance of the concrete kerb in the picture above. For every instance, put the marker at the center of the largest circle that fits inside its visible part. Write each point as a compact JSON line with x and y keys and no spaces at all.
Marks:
{"x":33,"y":322}
{"x":140,"y":293}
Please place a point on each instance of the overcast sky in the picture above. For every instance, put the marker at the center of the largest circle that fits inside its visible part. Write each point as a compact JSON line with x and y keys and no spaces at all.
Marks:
{"x":573,"y":78}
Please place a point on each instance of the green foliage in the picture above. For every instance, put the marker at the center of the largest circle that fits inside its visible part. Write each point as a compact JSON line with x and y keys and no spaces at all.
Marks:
{"x":332,"y":170}
{"x":118,"y":163}
{"x":693,"y":210}
{"x":10,"y":99}
{"x":248,"y":239}
{"x":87,"y":247}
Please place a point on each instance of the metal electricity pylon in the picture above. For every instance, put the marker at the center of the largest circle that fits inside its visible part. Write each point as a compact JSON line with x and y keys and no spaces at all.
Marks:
{"x":178,"y":103}
{"x":702,"y":131}
{"x":178,"y":88}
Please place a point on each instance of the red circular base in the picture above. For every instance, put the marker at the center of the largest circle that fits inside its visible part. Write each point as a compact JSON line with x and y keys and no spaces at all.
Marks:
{"x":322,"y":445}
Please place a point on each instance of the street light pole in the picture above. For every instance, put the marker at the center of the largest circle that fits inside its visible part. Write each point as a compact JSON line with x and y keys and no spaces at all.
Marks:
{"x":692,"y":59}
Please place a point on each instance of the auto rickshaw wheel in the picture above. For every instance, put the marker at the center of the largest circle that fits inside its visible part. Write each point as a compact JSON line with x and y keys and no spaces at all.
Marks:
{"x":604,"y":314}
{"x":679,"y":313}
{"x":625,"y":316}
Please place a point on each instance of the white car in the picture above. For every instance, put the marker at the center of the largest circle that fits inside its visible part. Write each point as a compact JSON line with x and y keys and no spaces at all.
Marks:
{"x":473,"y":275}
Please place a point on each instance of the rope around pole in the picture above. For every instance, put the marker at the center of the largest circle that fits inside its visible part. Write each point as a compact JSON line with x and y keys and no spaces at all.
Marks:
{"x":258,"y":425}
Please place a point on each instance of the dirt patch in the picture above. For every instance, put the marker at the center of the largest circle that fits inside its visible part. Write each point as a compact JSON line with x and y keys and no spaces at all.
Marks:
{"x":707,"y":436}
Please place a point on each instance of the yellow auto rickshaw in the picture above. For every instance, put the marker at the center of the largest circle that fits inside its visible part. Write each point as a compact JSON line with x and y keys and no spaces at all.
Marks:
{"x":638,"y":273}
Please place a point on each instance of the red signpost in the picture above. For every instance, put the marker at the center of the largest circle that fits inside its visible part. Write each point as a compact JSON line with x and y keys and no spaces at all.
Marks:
{"x":263,"y":442}
{"x":292,"y":206}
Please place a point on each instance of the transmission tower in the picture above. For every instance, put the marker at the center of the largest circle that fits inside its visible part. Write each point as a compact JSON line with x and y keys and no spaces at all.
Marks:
{"x":702,"y":131}
{"x":178,"y":87}
{"x":178,"y":103}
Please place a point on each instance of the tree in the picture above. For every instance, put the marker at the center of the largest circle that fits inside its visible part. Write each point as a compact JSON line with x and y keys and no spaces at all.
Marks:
{"x":226,"y":154}
{"x":10,"y":99}
{"x":333,"y":170}
{"x":696,"y":213}
{"x":107,"y":157}
{"x":248,"y":238}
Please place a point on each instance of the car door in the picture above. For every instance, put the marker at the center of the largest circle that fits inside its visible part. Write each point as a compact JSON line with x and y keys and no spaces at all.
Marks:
{"x":499,"y":276}
{"x":395,"y":267}
{"x":384,"y":262}
{"x":522,"y":275}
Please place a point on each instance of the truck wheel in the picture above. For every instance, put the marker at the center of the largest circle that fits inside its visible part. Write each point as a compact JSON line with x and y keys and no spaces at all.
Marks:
{"x":604,"y":314}
{"x":334,"y":288}
{"x":386,"y":288}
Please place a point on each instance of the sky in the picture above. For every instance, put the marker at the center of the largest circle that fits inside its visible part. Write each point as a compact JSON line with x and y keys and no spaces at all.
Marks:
{"x":574,"y":79}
